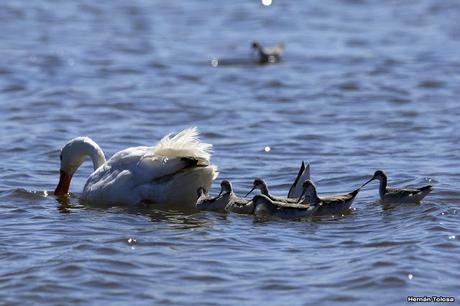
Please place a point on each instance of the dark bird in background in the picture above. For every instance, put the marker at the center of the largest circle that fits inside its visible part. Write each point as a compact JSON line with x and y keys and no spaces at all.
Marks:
{"x":268,"y":55}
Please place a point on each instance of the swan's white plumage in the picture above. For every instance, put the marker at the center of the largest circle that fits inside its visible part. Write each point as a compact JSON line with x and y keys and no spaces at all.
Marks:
{"x":160,"y":174}
{"x":185,"y":143}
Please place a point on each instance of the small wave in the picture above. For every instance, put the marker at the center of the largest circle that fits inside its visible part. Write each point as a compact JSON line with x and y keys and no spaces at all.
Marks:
{"x":385,"y":244}
{"x":28,"y":194}
{"x":431,"y":84}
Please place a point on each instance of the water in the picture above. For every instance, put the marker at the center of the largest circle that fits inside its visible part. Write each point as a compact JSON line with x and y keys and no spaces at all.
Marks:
{"x":364,"y":85}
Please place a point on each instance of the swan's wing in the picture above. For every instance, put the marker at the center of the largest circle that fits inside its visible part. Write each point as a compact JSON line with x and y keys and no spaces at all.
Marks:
{"x":118,"y":168}
{"x":296,"y":189}
{"x":157,"y":169}
{"x":143,"y":165}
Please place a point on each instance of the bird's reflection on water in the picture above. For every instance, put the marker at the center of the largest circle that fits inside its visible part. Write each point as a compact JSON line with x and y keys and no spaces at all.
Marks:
{"x":178,"y":217}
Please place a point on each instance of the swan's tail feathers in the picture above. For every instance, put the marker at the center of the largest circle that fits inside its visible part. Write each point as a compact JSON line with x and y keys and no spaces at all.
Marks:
{"x":184,"y":144}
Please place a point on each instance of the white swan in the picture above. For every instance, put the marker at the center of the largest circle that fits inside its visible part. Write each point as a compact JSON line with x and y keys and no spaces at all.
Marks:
{"x":168,"y":173}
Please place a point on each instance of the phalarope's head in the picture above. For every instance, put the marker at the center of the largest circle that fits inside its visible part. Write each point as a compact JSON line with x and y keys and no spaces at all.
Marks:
{"x":308,"y":188}
{"x":225,"y":186}
{"x":378,"y":175}
{"x":257,"y":184}
{"x":308,"y":184}
{"x":256,"y":45}
{"x":200,"y":191}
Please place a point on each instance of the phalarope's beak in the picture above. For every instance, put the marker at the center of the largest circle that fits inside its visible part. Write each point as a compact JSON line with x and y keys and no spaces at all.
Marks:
{"x":250,"y":191}
{"x":220,"y":193}
{"x":372,"y":178}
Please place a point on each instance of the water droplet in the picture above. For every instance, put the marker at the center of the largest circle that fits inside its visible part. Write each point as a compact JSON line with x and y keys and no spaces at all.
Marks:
{"x":452,"y":237}
{"x":267,"y":149}
{"x":267,"y":2}
{"x":214,"y":62}
{"x":410,"y":276}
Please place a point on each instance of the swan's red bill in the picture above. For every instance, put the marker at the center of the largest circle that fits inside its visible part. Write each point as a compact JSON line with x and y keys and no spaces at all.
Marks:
{"x":63,"y":185}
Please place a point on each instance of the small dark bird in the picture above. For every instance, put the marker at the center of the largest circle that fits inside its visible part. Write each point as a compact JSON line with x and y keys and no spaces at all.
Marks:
{"x":398,"y":195}
{"x":268,"y":55}
{"x":263,"y":205}
{"x":333,"y":204}
{"x":226,"y":200}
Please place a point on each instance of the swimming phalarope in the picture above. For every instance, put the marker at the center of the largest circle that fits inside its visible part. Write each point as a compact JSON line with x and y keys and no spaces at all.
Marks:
{"x":332,"y":204}
{"x":268,"y":55}
{"x":226,"y":200}
{"x":263,"y":205}
{"x":398,"y":195}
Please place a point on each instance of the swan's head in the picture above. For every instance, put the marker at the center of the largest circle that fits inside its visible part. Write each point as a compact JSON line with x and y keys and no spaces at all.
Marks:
{"x":72,"y":156}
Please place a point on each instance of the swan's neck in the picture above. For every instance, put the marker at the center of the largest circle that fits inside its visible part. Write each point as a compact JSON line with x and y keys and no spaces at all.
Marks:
{"x":97,"y":156}
{"x":75,"y":152}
